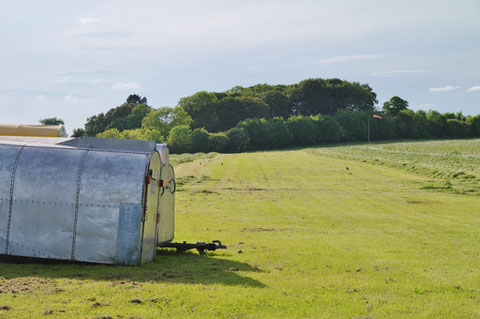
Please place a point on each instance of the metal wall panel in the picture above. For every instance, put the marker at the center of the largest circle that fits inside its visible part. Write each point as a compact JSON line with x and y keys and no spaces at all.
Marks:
{"x":43,"y":207}
{"x":96,"y":233}
{"x":127,"y":250}
{"x":108,"y":179}
{"x":8,"y":154}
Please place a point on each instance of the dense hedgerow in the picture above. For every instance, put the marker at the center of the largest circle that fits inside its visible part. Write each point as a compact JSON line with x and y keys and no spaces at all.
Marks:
{"x":345,"y":126}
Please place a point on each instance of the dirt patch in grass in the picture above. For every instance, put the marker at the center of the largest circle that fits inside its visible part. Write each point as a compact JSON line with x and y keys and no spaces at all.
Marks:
{"x":24,"y":285}
{"x":205,"y":191}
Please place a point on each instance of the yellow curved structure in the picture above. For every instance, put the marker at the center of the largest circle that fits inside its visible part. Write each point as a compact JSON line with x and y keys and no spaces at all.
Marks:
{"x":32,"y":130}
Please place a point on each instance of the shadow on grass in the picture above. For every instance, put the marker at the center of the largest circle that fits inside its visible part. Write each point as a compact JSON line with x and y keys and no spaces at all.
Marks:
{"x":168,"y":267}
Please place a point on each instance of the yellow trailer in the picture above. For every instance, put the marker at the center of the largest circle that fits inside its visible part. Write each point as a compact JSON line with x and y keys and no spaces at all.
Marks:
{"x":32,"y":130}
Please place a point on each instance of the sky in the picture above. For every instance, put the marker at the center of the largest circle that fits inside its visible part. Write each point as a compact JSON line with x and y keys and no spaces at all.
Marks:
{"x":75,"y":59}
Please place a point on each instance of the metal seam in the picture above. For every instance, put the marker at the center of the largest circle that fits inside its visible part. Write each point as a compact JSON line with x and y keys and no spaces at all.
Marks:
{"x":148,"y":158}
{"x":77,"y":199}
{"x":10,"y":202}
{"x":83,"y":148}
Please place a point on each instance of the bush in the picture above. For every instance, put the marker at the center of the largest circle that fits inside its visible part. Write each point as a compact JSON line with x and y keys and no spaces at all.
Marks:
{"x":257,"y":131}
{"x":457,"y":128}
{"x":327,"y":129}
{"x":180,"y":139}
{"x":110,"y":133}
{"x":405,"y":124}
{"x":136,"y":134}
{"x":437,"y":123}
{"x":200,"y":140}
{"x":382,"y":129}
{"x":354,"y":123}
{"x":474,"y":125}
{"x":218,"y":142}
{"x":238,"y":140}
{"x":302,"y":130}
{"x":278,"y":135}
{"x":143,"y":134}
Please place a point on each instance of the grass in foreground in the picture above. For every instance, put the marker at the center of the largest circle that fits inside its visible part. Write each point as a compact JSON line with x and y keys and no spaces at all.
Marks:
{"x":306,"y":236}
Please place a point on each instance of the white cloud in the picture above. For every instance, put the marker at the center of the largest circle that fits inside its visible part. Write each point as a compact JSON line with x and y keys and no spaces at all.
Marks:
{"x":89,"y":20}
{"x":68,"y":97}
{"x":444,"y":88}
{"x":97,"y":81}
{"x":349,"y":58}
{"x":126,"y":85}
{"x":398,"y":72}
{"x":426,"y":105}
{"x":474,"y":88}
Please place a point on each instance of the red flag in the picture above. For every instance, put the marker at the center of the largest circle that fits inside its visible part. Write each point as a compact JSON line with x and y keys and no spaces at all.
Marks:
{"x":376,"y":116}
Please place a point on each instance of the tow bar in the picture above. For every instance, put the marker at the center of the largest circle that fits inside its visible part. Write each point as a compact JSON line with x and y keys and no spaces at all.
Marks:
{"x":199,"y":246}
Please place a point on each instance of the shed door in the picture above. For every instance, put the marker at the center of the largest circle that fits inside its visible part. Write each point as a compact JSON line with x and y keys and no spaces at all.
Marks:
{"x":149,"y":218}
{"x":167,"y":205}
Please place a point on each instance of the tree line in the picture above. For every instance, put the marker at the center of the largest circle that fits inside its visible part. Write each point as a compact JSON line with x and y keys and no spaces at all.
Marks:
{"x":276,"y":116}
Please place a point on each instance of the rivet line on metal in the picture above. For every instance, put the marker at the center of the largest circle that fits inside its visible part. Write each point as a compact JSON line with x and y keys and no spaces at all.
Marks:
{"x":77,"y":199}
{"x":10,"y":202}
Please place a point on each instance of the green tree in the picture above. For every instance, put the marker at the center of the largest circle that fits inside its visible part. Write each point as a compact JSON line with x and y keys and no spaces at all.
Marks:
{"x":319,"y":96}
{"x":165,"y":118}
{"x":136,"y":99}
{"x":52,"y":121}
{"x":311,"y":97}
{"x":232,"y":110}
{"x":278,"y":103}
{"x":125,"y":116}
{"x":132,"y":120}
{"x":202,"y":108}
{"x":78,"y":132}
{"x":395,"y":105}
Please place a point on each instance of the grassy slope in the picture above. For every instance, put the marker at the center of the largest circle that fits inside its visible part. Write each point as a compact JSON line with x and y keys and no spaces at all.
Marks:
{"x":316,"y":240}
{"x":454,"y":164}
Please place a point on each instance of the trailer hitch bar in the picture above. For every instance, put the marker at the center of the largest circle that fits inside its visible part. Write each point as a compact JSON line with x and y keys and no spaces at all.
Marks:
{"x":200,"y":246}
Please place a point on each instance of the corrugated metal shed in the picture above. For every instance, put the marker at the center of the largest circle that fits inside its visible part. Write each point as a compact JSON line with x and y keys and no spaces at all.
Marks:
{"x":84,"y":199}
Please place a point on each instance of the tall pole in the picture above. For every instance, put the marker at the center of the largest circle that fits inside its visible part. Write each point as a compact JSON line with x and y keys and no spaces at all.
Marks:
{"x":368,"y":127}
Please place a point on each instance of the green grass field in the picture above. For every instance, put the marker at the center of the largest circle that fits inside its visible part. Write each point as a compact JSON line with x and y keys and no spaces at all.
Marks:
{"x":454,"y":165}
{"x":306,"y":238}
